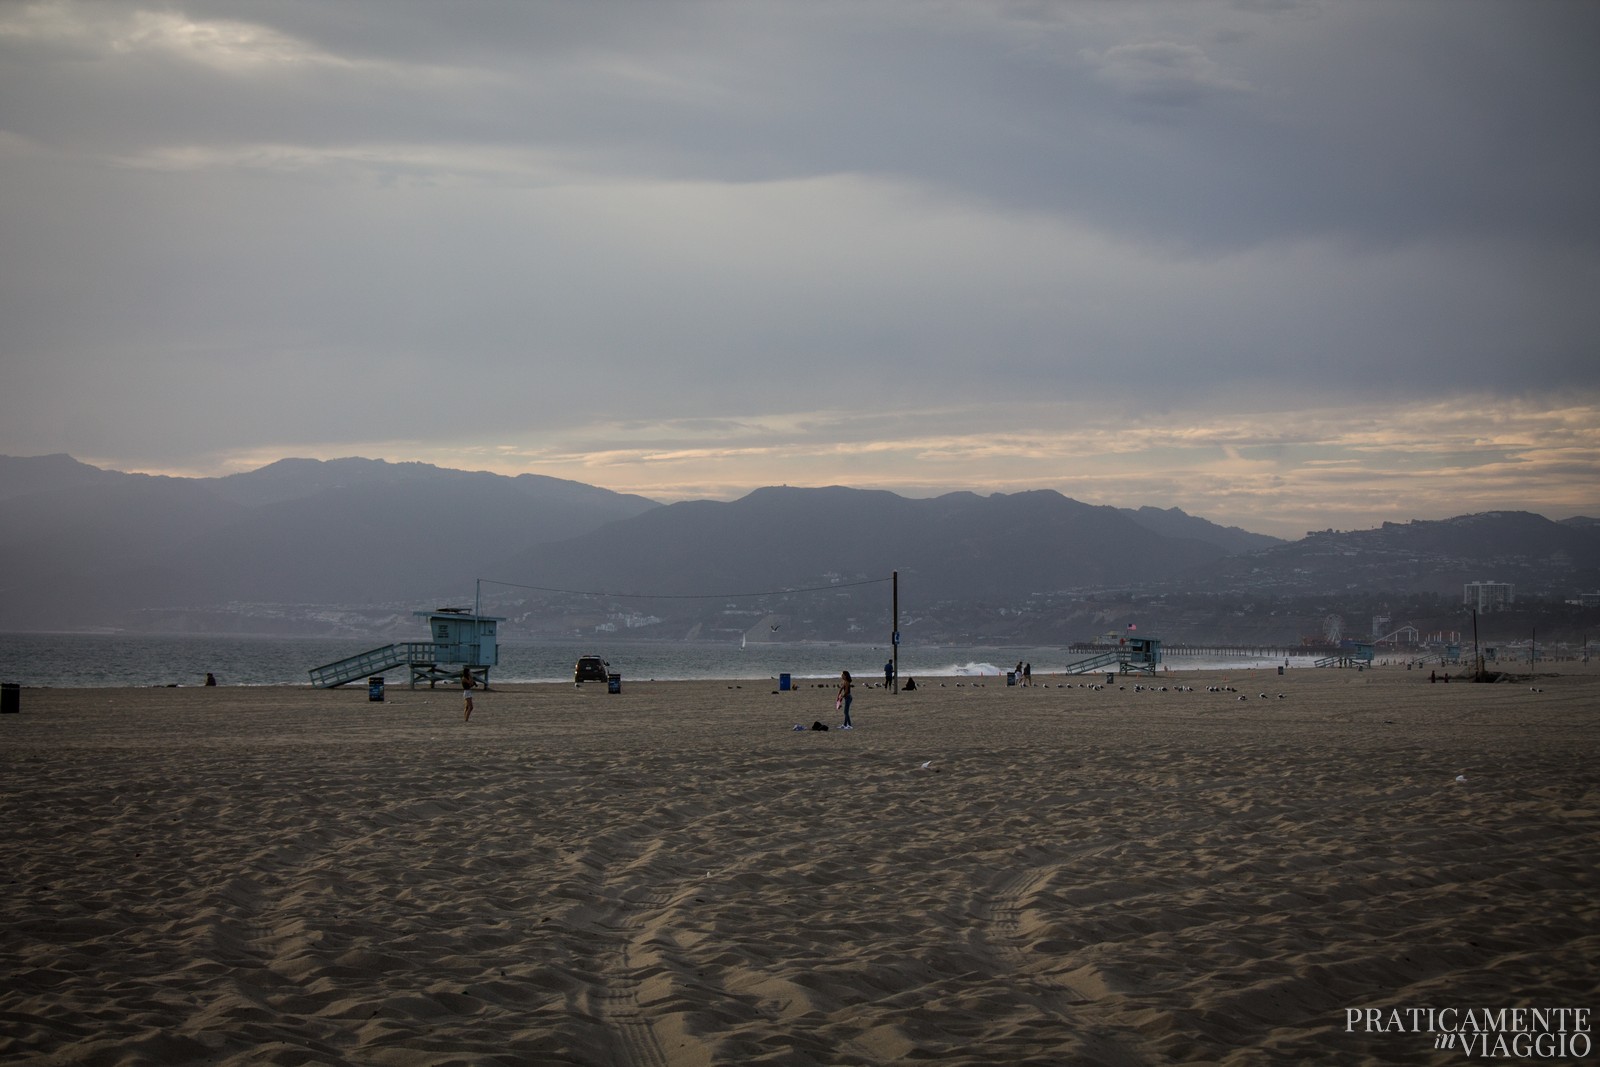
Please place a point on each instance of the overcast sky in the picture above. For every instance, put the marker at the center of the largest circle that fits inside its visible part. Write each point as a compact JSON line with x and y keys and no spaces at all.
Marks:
{"x":1283,"y":265}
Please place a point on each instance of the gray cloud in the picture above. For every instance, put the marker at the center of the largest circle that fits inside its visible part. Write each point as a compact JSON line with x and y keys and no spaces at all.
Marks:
{"x":237,"y":226}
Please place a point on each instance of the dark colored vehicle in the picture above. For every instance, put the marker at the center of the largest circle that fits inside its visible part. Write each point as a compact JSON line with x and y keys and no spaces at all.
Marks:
{"x":590,"y":669}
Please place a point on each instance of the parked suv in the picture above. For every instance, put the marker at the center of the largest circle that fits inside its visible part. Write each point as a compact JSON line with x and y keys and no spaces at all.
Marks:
{"x":590,"y":669}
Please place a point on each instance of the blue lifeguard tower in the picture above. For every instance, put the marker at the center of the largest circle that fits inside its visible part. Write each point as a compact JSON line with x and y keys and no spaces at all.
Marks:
{"x":1351,"y":654}
{"x":1141,"y":655}
{"x":1133,"y":655}
{"x":459,"y":640}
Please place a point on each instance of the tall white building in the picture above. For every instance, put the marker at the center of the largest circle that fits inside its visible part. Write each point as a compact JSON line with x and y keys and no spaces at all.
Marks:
{"x":1488,"y":596}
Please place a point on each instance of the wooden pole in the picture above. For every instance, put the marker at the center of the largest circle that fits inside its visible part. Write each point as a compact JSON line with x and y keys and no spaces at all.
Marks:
{"x":894,"y":632}
{"x":1477,"y":660}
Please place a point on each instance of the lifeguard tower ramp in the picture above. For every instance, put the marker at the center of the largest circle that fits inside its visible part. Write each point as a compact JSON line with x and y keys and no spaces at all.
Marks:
{"x":364,"y":664}
{"x":461,"y":641}
{"x":1097,"y":662}
{"x":1136,"y":655}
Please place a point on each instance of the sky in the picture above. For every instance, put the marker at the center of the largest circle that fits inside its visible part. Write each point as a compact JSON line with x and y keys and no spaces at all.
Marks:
{"x":1284,"y":265}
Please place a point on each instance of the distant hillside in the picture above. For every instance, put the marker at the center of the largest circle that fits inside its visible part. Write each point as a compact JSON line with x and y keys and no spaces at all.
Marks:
{"x":1540,"y":557}
{"x":1173,"y":522}
{"x":958,"y":545}
{"x":97,"y":548}
{"x":20,"y":476}
{"x":356,"y":545}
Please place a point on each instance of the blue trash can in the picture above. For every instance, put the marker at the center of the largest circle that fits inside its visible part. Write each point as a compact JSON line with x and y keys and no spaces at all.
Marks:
{"x":375,"y":687}
{"x":613,"y":683}
{"x":784,"y":683}
{"x":1011,"y":677}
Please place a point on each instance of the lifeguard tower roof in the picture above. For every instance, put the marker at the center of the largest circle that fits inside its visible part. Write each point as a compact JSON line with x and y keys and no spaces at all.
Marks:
{"x":459,"y":636}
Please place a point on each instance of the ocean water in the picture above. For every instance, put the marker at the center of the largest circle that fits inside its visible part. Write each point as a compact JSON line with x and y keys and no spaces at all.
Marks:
{"x":87,"y":660}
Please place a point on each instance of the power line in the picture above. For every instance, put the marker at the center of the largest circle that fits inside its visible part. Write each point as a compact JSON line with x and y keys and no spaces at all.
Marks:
{"x":687,"y":596}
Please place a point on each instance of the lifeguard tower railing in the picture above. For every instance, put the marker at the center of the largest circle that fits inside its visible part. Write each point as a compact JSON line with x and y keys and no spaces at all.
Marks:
{"x":413,"y":654}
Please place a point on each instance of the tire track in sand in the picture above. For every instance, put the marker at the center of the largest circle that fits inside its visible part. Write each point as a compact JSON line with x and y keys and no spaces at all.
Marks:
{"x":1057,"y":996}
{"x":1003,"y":936}
{"x":630,"y":898}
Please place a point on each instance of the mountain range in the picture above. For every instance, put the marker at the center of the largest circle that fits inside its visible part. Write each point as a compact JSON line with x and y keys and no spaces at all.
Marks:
{"x":351,"y":542}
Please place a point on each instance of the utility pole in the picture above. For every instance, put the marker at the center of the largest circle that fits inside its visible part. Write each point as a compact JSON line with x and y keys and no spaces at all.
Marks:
{"x":1477,"y":660}
{"x":894,"y":631}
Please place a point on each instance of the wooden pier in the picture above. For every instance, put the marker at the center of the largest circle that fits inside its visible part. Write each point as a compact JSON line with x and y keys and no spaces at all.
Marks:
{"x":1221,"y":651}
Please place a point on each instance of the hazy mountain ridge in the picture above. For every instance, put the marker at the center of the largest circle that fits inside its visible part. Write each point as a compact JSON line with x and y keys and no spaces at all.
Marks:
{"x":961,"y":544}
{"x":93,"y":548}
{"x":1174,"y":522}
{"x":22,"y":475}
{"x":89,"y":546}
{"x":1541,"y":557}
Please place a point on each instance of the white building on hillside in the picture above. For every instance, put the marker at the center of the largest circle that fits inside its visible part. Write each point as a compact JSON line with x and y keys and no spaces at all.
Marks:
{"x":1489,"y":596}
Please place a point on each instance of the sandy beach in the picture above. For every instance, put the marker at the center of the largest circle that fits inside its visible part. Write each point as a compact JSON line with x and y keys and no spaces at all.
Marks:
{"x":672,"y":875}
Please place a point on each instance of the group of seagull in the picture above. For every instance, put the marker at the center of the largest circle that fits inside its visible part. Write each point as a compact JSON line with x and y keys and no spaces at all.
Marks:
{"x":1101,"y":687}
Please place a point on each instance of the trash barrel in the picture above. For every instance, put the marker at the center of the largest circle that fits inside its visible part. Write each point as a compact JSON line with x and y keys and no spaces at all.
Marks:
{"x":375,"y":687}
{"x":613,"y":683}
{"x":1011,"y":677}
{"x":1280,"y":668}
{"x":1110,"y":677}
{"x":10,"y":698}
{"x":785,"y":683}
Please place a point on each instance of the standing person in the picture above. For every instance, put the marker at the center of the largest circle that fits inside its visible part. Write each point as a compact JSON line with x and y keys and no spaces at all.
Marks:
{"x":1027,"y":674}
{"x":844,"y":698}
{"x":467,"y":685}
{"x":888,"y":674}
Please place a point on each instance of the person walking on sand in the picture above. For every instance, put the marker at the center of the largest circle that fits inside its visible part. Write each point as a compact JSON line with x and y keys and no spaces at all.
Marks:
{"x":844,"y":699}
{"x":467,"y":685}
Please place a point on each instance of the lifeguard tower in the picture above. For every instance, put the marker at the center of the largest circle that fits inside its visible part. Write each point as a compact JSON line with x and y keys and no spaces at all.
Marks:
{"x":1141,"y":655}
{"x":461,"y":640}
{"x":1133,"y":655}
{"x":458,"y":640}
{"x":1353,"y":654}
